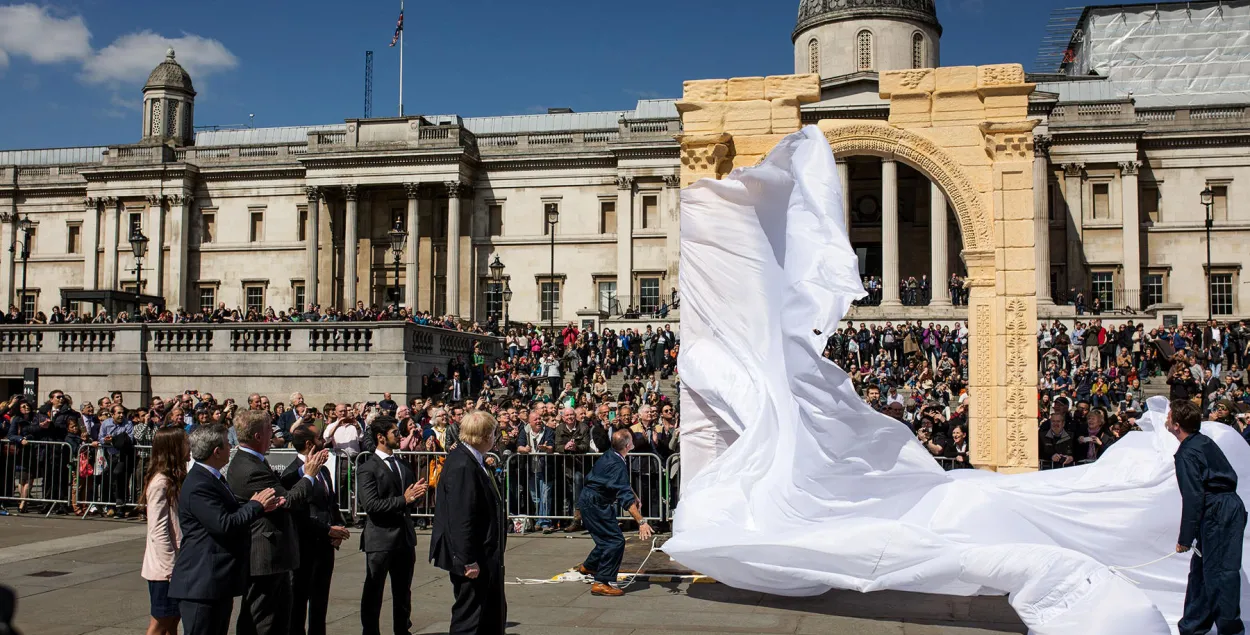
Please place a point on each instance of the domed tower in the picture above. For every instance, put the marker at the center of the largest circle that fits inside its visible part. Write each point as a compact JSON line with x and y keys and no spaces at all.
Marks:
{"x":840,"y":37}
{"x":168,"y":104}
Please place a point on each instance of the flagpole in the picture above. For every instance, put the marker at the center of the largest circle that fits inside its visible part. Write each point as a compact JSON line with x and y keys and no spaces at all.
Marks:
{"x":401,"y":61}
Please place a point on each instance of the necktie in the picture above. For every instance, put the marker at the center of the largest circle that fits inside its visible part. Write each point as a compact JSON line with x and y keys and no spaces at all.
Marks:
{"x":390,"y":462}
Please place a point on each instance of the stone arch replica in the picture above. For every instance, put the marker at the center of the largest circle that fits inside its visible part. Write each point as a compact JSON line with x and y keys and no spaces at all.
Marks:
{"x":967,"y":130}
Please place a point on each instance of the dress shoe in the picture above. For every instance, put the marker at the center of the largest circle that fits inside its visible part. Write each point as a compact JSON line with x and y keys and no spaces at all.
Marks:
{"x":581,"y":568}
{"x":573,"y":527}
{"x":608,"y":590}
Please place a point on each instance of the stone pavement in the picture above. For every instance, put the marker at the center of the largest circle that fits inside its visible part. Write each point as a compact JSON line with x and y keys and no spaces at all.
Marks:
{"x":77,"y":577}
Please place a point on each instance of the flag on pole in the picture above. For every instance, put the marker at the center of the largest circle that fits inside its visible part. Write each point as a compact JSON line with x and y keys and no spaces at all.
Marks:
{"x":399,"y":27}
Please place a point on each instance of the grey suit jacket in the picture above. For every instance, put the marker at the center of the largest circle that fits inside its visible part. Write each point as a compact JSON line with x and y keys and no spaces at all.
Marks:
{"x":275,"y":541}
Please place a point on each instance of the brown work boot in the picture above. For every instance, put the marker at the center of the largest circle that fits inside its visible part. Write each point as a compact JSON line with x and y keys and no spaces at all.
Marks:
{"x":581,"y":568}
{"x":608,"y":590}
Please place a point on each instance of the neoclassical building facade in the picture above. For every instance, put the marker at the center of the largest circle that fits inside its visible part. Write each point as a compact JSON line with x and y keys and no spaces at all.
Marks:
{"x":285,"y":217}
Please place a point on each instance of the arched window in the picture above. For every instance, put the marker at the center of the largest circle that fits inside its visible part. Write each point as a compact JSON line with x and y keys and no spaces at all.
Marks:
{"x":813,"y":56}
{"x":917,"y":51}
{"x":864,"y":50}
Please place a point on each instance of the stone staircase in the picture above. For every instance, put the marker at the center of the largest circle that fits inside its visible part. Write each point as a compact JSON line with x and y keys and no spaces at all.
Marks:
{"x":667,"y":388}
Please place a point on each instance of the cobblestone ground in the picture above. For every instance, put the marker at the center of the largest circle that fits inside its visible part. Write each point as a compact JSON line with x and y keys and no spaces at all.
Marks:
{"x":78,"y":577}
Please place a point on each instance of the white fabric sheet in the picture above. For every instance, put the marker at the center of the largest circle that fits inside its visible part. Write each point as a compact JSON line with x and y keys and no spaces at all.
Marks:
{"x":792,"y":485}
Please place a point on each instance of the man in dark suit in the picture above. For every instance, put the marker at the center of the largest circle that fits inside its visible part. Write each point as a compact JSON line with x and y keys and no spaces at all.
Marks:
{"x":386,"y":489}
{"x":275,"y":544}
{"x":470,"y":531}
{"x":212,"y":563}
{"x":457,"y":388}
{"x":321,"y":531}
{"x":607,"y":486}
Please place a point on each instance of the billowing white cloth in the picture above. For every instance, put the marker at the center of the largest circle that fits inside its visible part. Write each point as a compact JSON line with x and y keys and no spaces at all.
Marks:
{"x":792,"y":485}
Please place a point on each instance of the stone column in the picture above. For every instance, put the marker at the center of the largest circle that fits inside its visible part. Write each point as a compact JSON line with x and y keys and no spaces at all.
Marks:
{"x":156,"y":251}
{"x":410,"y":251}
{"x":624,"y":241}
{"x":1041,"y":209}
{"x":8,"y":232}
{"x":350,"y":245}
{"x":90,"y":243}
{"x":180,"y":238}
{"x":112,"y":214}
{"x":1073,"y":182}
{"x":938,"y":266}
{"x":1131,"y":220}
{"x":455,"y":190}
{"x":311,"y":243}
{"x":844,"y":174}
{"x":672,"y":242}
{"x":889,"y":233}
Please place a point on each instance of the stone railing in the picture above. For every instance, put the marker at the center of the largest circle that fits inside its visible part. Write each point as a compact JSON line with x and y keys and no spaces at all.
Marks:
{"x":391,"y":134}
{"x":1101,"y":112}
{"x":1217,"y":117}
{"x":321,"y":359}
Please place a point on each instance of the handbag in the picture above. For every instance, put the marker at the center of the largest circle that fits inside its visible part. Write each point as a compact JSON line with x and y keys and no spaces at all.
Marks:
{"x":85,"y":465}
{"x":435,"y":471}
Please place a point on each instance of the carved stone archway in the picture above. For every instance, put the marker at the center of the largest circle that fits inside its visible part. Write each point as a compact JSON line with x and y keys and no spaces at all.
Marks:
{"x":966,"y":129}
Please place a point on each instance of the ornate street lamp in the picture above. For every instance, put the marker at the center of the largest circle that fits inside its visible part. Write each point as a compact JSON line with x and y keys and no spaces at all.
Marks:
{"x":507,"y":298}
{"x":1208,"y":198}
{"x":25,"y":226}
{"x":553,"y":217}
{"x":398,"y":238}
{"x":496,"y":277}
{"x":138,"y":247}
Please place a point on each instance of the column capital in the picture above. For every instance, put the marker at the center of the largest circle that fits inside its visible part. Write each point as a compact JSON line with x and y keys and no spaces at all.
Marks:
{"x":413,"y":190}
{"x":1129,"y":168}
{"x":456,"y":189}
{"x":625,"y":182}
{"x":178,"y":199}
{"x":156,"y":199}
{"x":889,"y":159}
{"x":90,"y":202}
{"x":672,"y":180}
{"x":110,"y":201}
{"x":1041,"y":145}
{"x":1073,"y":170}
{"x":351,"y":192}
{"x":313,"y":193}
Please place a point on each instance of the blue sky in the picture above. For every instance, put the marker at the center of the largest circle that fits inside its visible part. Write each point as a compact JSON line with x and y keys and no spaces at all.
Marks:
{"x":71,"y":71}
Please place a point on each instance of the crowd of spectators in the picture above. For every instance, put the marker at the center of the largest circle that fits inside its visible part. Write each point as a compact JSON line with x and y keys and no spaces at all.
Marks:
{"x":913,"y":291}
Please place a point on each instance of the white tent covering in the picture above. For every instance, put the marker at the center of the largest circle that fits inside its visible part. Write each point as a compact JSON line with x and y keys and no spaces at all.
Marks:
{"x":792,"y":485}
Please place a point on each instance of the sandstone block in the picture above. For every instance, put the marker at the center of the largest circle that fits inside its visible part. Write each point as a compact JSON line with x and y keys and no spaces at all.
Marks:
{"x":1018,"y":204}
{"x":1022,"y":283}
{"x":705,"y":90}
{"x":746,"y":88}
{"x":920,"y":120}
{"x":956,"y":78}
{"x":911,"y":104}
{"x":703,"y":116}
{"x":1006,"y":101}
{"x":805,"y":88}
{"x":1019,"y":259}
{"x":748,"y":117}
{"x":950,"y":101}
{"x":756,"y":144}
{"x":921,"y":80}
{"x":785,"y":115}
{"x":1018,"y":233}
{"x":955,"y":136}
{"x":1016,"y":180}
{"x":1000,"y":75}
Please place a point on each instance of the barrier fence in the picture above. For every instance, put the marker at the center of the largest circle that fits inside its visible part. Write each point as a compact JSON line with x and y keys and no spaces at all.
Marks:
{"x":544,"y":487}
{"x":36,"y":471}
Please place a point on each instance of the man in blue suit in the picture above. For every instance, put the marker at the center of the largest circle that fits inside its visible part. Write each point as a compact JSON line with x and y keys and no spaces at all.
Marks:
{"x":212,"y":564}
{"x":607,"y":485}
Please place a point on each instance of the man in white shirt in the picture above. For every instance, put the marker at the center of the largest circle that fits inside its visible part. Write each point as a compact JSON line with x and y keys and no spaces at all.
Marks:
{"x":344,"y":434}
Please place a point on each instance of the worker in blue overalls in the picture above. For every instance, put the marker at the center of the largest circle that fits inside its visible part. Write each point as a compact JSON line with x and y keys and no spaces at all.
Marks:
{"x":606,"y":486}
{"x":1213,"y":515}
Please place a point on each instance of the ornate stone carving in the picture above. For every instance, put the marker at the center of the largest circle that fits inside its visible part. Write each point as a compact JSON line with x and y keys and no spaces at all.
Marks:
{"x":1041,"y":145}
{"x":155,"y":199}
{"x":624,"y":182}
{"x":1017,"y":367}
{"x":413,"y":190}
{"x":1009,"y":147}
{"x":672,"y":180}
{"x":1072,"y":170}
{"x":110,"y":201}
{"x":313,"y":193}
{"x":455,"y":189}
{"x":1001,"y":75}
{"x":90,"y":202}
{"x":881,"y":139}
{"x":351,"y":192}
{"x":983,"y":446}
{"x":178,"y":199}
{"x":912,"y":79}
{"x":1130,"y":168}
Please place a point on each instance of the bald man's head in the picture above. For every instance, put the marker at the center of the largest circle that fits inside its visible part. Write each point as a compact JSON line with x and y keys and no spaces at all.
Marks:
{"x":622,"y":441}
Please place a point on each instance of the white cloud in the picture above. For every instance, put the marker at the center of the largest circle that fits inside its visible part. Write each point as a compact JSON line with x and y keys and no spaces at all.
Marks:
{"x":131,"y":57}
{"x":30,"y":31}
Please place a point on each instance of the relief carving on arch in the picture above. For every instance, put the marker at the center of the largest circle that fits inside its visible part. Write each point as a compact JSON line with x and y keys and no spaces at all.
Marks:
{"x":930,"y":159}
{"x":983,"y":444}
{"x":1017,"y":369}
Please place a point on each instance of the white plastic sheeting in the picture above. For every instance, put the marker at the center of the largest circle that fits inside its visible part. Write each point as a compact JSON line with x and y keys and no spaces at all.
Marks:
{"x":1176,"y":54}
{"x":793,"y":485}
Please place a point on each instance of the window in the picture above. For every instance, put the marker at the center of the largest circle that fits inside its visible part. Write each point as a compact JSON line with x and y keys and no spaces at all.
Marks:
{"x":813,"y":56}
{"x":1148,"y":201}
{"x":393,"y":295}
{"x":301,"y":232}
{"x":864,"y":50}
{"x":1103,"y":285}
{"x":494,"y":214}
{"x":1151,"y":289}
{"x":548,"y":207}
{"x":208,"y":227}
{"x":1222,"y":293}
{"x":607,"y":217}
{"x":73,"y":242}
{"x":30,"y":302}
{"x":208,"y":299}
{"x":1219,"y":202}
{"x":136,"y":226}
{"x":440,"y":295}
{"x":917,"y":50}
{"x":648,"y":295}
{"x":607,"y":295}
{"x":1052,"y":190}
{"x":1102,"y":200}
{"x":650,"y":212}
{"x":254,"y":297}
{"x":256,"y":227}
{"x":493,"y":300}
{"x":297,"y":291}
{"x":549,"y":291}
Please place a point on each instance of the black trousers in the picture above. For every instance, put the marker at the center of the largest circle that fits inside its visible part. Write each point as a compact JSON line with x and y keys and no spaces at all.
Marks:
{"x":1213,"y":596}
{"x":207,"y":617}
{"x":398,"y":564}
{"x":310,"y":589}
{"x":266,"y":606}
{"x":480,"y":607}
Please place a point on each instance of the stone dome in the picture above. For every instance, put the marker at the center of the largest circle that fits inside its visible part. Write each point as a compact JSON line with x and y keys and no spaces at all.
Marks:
{"x":170,"y":74}
{"x":813,"y":13}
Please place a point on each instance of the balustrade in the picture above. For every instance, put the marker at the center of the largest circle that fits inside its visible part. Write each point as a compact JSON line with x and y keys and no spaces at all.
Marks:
{"x":340,"y":338}
{"x":260,"y":339}
{"x":95,"y":340}
{"x":20,"y":339}
{"x":182,"y":339}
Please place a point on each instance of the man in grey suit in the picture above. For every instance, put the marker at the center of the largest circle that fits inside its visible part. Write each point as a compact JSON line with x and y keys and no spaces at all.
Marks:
{"x":266,"y":608}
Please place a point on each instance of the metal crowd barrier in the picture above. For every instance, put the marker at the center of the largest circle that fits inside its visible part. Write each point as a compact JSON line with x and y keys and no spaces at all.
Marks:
{"x":36,"y":472}
{"x":107,"y":477}
{"x":545,"y":487}
{"x":424,"y":465}
{"x":672,"y":478}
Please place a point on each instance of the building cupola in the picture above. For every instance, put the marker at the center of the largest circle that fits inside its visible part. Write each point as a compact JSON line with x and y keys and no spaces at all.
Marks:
{"x":169,"y":104}
{"x":835,"y":38}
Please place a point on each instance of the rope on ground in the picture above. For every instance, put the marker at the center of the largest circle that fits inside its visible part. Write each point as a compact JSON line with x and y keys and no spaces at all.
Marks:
{"x":573,"y":576}
{"x":1116,"y":570}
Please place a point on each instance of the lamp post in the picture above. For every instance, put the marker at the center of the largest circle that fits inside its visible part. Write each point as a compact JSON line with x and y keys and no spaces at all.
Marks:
{"x":26,"y":227}
{"x":138,"y":247}
{"x":553,"y":217}
{"x":398,"y":237}
{"x":1208,"y":198}
{"x":507,"y":298}
{"x":496,"y":277}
